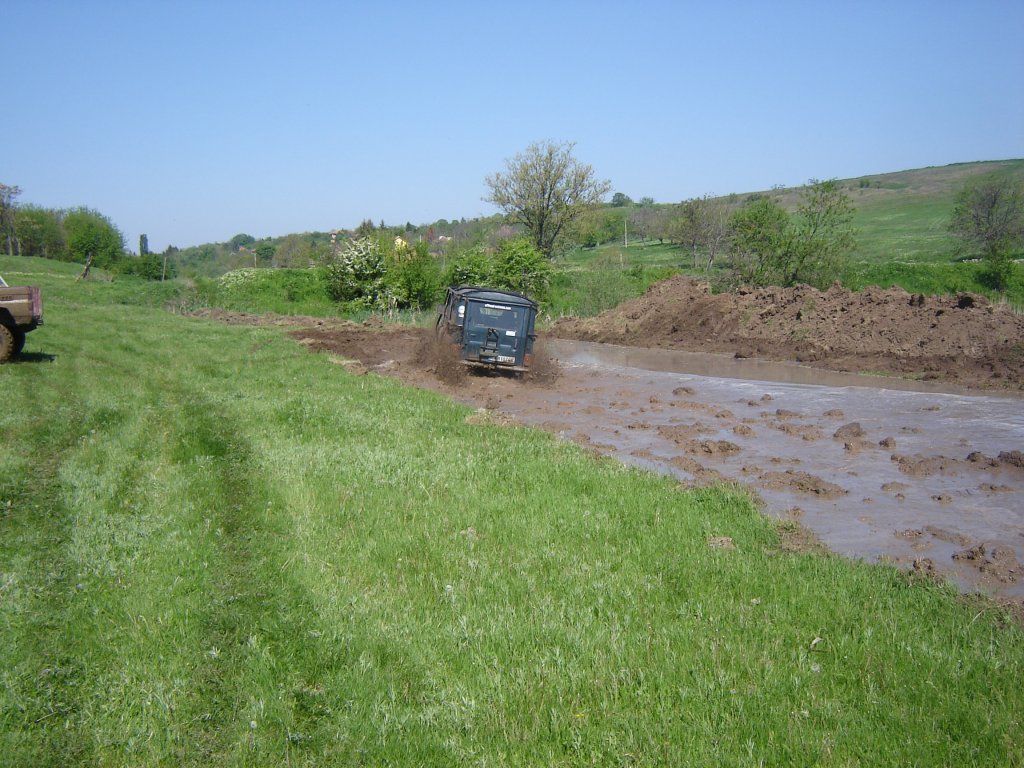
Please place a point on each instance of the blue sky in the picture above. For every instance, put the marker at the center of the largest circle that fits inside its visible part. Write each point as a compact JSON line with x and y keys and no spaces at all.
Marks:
{"x":195,"y":121}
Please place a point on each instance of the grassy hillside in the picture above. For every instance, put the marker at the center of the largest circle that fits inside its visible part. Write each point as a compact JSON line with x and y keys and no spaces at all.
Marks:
{"x":219,"y":549}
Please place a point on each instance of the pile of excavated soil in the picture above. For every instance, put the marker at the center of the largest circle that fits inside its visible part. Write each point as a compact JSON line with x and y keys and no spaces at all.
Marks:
{"x":963,"y":338}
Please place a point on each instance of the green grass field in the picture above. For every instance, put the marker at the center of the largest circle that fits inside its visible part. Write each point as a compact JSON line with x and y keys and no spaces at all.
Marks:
{"x":219,"y":549}
{"x":903,"y":240}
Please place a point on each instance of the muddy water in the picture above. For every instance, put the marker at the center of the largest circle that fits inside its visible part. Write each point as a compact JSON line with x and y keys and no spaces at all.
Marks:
{"x":897,"y":486}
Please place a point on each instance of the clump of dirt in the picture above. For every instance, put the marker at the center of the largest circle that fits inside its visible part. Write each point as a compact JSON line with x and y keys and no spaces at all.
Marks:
{"x":925,"y":466}
{"x":849,"y":431}
{"x":962,"y":338}
{"x":1012,"y":458}
{"x":701,"y":475}
{"x":801,"y":482}
{"x":712,"y":448}
{"x":796,"y":538}
{"x":996,"y":561}
{"x":684,"y":433}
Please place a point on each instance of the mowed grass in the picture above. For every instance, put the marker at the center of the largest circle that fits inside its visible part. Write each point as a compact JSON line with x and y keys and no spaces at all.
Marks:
{"x":219,"y":549}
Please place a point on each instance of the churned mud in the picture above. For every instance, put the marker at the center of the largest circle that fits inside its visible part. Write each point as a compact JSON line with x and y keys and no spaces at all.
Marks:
{"x":927,"y":475}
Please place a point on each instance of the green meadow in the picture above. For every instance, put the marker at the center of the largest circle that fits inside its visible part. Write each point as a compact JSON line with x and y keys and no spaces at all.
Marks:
{"x":902,"y":231}
{"x":219,"y":549}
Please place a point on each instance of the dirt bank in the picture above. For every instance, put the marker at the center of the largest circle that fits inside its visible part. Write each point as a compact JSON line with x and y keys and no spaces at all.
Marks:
{"x":963,"y":339}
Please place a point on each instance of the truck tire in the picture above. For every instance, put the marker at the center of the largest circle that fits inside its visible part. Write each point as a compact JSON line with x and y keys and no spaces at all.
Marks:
{"x":7,"y":343}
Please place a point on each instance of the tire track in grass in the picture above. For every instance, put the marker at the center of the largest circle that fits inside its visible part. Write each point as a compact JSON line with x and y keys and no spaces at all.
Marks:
{"x":255,"y":630}
{"x":99,"y":630}
{"x":39,"y":678}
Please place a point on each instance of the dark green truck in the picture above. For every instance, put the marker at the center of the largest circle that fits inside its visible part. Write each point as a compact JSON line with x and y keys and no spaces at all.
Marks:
{"x":490,"y":328}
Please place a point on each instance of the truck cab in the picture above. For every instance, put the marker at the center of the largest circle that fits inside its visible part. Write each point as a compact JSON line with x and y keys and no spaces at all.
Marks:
{"x":490,"y":328}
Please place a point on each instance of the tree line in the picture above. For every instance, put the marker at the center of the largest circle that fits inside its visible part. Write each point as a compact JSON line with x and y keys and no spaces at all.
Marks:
{"x":80,"y":235}
{"x":550,"y":203}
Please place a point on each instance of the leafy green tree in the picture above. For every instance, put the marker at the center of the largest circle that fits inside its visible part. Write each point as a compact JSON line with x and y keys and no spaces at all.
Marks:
{"x":366,"y":228}
{"x":988,"y":220}
{"x":40,"y":232}
{"x":620,"y":199}
{"x":759,"y":236}
{"x":701,"y":224}
{"x":241,"y":240}
{"x":470,"y":266}
{"x":823,"y":234}
{"x":143,"y":245}
{"x":520,"y":266}
{"x":414,"y":277}
{"x":771,"y":247}
{"x":92,"y":239}
{"x":515,"y":265}
{"x":595,"y":226}
{"x":265,"y":251}
{"x":298,"y":251}
{"x":546,"y":189}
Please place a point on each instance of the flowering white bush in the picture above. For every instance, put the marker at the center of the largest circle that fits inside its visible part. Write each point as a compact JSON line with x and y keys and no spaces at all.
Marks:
{"x":357,"y":274}
{"x":239,"y":278}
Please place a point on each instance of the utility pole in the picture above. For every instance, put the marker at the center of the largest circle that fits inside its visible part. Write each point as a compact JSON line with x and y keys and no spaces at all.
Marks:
{"x":625,"y":232}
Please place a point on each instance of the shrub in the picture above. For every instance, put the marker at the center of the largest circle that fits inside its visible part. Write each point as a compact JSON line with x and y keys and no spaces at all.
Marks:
{"x":516,"y":265}
{"x":357,"y":275}
{"x":414,"y":277}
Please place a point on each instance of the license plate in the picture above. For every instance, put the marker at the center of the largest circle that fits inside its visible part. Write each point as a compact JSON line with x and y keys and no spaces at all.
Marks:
{"x":506,"y":359}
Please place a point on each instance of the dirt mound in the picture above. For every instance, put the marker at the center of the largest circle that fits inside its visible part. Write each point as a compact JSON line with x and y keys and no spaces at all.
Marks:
{"x":961,"y":338}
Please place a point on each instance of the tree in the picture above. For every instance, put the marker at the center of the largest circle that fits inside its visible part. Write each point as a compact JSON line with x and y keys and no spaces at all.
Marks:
{"x":988,"y":220}
{"x":143,"y":245}
{"x":770,"y":247}
{"x":264,"y":251}
{"x":546,"y":189}
{"x":620,"y":200}
{"x":7,"y":209}
{"x":516,"y":265}
{"x":39,"y":232}
{"x":701,"y":224}
{"x":241,"y":240}
{"x":595,"y":226}
{"x":758,"y":237}
{"x":520,"y":266}
{"x":414,"y":276}
{"x":366,"y":228}
{"x":92,"y":239}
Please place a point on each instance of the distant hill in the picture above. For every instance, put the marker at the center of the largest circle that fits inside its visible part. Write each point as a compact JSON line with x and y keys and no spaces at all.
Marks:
{"x":904,"y":216}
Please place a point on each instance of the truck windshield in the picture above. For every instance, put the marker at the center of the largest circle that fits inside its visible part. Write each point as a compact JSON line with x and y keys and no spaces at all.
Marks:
{"x":502,"y":316}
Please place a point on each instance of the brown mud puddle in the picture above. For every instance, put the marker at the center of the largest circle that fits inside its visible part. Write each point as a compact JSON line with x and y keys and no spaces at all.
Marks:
{"x":877,"y":468}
